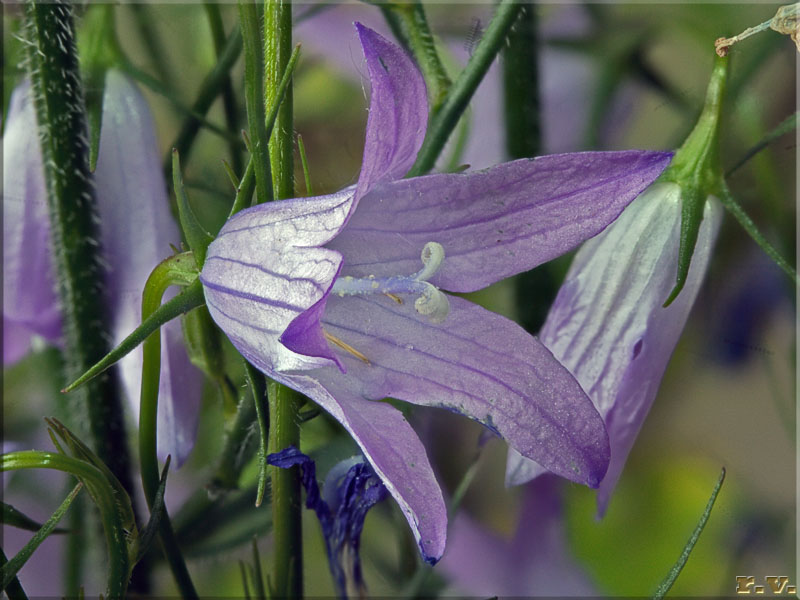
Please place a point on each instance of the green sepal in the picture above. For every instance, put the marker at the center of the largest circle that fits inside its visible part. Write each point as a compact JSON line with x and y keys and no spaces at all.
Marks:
{"x":15,"y":518}
{"x":196,"y":235}
{"x":156,"y":512}
{"x":10,"y":569}
{"x":191,"y":297}
{"x":697,"y":169}
{"x":676,"y":569}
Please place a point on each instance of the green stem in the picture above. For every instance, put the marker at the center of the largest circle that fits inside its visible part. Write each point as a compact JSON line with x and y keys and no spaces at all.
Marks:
{"x":460,"y":94}
{"x":284,"y":430}
{"x":277,"y":53}
{"x":729,"y":202}
{"x":258,"y":388}
{"x":287,"y":573}
{"x":253,"y":93}
{"x":160,"y":279}
{"x":410,"y":26}
{"x":228,"y":98}
{"x":60,"y":113}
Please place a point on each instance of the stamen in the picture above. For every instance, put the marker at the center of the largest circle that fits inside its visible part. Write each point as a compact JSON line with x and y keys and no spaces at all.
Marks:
{"x":430,"y":302}
{"x":345,"y":346}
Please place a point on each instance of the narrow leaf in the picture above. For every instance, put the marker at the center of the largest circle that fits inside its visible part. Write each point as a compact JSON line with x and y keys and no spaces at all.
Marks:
{"x":258,"y":388}
{"x":687,"y":550}
{"x":15,"y":518}
{"x":189,"y":298}
{"x":10,"y":569}
{"x":156,"y":512}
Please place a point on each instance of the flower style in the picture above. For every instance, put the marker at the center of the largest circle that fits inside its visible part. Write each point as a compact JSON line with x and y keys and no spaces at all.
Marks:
{"x":136,"y":229}
{"x":608,"y":325}
{"x":313,"y":292}
{"x":351,"y":489}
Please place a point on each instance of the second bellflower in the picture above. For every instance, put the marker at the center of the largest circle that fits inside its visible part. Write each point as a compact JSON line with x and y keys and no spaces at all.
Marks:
{"x":340,"y":296}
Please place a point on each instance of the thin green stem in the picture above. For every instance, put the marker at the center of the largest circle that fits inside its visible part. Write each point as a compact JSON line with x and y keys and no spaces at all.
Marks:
{"x":729,"y":202}
{"x":409,"y":25}
{"x":287,"y":573}
{"x":464,"y":87}
{"x":60,"y":114}
{"x":277,"y":55}
{"x":258,"y":388}
{"x":665,"y":585}
{"x":228,"y":97}
{"x":254,"y":99}
{"x":163,"y":276}
{"x":237,"y":449}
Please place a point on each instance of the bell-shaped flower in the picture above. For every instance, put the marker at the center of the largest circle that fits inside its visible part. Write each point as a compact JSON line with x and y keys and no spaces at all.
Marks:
{"x":341,"y":296}
{"x":136,"y":230}
{"x":608,"y":325}
{"x":351,"y":489}
{"x":627,"y":296}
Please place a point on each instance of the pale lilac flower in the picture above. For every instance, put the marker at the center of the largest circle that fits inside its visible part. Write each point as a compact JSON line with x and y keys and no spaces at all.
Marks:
{"x":608,"y":325}
{"x":339,"y":296}
{"x":351,"y":488}
{"x":534,"y":561}
{"x":136,"y":230}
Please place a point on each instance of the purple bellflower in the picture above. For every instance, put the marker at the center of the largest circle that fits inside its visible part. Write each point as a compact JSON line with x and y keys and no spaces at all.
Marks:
{"x":608,"y":325}
{"x":351,"y":489}
{"x":340,"y":296}
{"x":136,"y":229}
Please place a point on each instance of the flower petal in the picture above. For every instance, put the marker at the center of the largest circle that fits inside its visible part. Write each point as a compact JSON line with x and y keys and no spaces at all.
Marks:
{"x":265,"y":269}
{"x":607,"y":324}
{"x":392,"y":448}
{"x":478,"y":364}
{"x":493,"y":223}
{"x":136,"y":232}
{"x":398,"y":112}
{"x":30,"y":301}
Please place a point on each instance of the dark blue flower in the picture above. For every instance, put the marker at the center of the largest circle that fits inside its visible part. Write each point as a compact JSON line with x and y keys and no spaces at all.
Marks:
{"x":351,"y":488}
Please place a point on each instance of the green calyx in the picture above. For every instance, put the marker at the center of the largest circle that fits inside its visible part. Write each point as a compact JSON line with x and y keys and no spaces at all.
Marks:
{"x":697,"y":169}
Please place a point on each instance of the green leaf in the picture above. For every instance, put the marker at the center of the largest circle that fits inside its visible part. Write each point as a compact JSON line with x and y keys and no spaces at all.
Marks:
{"x":156,"y":512}
{"x":11,"y":568}
{"x":15,"y":518}
{"x":665,"y":585}
{"x":121,"y":540}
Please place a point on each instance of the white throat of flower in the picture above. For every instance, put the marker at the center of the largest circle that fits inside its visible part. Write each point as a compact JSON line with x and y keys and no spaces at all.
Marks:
{"x":430,"y":302}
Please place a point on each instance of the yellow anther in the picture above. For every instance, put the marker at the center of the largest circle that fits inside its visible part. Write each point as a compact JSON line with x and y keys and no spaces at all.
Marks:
{"x":345,"y":346}
{"x":397,"y":299}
